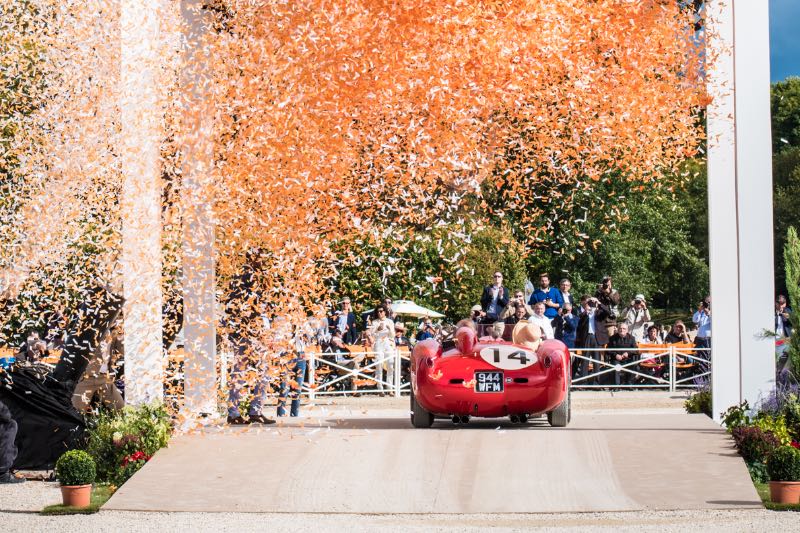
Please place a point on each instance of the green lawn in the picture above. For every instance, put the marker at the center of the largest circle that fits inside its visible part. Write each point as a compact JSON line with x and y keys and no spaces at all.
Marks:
{"x":100,"y":495}
{"x":763,"y":491}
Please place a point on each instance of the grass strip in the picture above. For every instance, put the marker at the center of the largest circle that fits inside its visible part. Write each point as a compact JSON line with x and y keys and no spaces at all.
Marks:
{"x":100,"y":495}
{"x":763,"y":491}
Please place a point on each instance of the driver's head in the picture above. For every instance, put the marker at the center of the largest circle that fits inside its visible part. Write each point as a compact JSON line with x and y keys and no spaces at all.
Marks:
{"x":497,"y":329}
{"x":527,"y":334}
{"x":466,"y":323}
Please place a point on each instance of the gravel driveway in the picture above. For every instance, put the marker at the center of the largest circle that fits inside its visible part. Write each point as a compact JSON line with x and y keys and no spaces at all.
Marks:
{"x":19,"y":504}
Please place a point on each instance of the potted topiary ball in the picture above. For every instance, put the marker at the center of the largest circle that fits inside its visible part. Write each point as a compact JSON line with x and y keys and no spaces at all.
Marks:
{"x":783,"y":467}
{"x":76,"y":471}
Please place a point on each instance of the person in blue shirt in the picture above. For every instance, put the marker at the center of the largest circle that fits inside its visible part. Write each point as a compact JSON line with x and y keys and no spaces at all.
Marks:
{"x":426,"y":331}
{"x":702,"y":319}
{"x":551,"y":297}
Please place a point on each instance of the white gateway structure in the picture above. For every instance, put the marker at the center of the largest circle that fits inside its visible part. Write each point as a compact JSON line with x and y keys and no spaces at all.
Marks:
{"x":739,"y":191}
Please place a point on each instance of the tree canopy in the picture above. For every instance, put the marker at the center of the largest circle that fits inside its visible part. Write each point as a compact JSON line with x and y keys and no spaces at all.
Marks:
{"x":365,"y":122}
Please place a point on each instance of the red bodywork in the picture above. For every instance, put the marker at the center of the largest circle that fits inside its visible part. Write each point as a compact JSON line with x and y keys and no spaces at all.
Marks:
{"x":444,"y":383}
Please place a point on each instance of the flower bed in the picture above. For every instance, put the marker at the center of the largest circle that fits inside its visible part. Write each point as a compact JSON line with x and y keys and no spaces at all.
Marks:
{"x":122,"y":442}
{"x":770,"y":431}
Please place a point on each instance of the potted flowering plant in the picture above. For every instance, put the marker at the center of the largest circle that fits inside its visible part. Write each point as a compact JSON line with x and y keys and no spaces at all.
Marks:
{"x":783,"y":466}
{"x":76,"y":472}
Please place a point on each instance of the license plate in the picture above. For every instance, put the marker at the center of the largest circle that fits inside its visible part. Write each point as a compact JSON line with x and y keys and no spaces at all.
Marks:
{"x":488,"y":381}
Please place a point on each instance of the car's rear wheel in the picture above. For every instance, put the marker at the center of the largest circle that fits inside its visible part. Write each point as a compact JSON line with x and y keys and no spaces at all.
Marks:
{"x":560,"y":416}
{"x":420,"y":418}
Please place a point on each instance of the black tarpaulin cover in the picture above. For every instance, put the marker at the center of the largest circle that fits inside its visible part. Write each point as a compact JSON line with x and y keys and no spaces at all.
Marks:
{"x":41,"y":401}
{"x":47,"y":423}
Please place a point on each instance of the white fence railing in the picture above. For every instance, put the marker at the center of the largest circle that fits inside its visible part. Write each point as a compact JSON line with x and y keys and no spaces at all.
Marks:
{"x":327,"y":377}
{"x":667,"y":367}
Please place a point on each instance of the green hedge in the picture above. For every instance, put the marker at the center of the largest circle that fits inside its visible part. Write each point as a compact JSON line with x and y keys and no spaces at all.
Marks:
{"x":784,"y":464}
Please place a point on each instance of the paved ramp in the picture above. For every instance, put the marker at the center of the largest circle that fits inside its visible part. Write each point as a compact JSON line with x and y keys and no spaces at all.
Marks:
{"x":376,"y":463}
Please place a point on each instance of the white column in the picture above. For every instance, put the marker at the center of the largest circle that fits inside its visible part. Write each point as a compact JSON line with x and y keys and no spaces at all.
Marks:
{"x":198,"y":221}
{"x":141,"y":201}
{"x":754,"y":191}
{"x":740,"y":201}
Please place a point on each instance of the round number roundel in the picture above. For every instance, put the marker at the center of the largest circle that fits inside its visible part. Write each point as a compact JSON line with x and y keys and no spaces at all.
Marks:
{"x":508,"y":357}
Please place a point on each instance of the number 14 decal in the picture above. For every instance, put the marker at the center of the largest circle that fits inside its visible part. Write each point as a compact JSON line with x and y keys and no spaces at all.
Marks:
{"x":518,"y":355}
{"x":508,"y":356}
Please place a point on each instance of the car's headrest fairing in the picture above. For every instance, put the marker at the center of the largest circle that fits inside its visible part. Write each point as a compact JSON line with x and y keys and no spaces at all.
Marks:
{"x":466,"y":339}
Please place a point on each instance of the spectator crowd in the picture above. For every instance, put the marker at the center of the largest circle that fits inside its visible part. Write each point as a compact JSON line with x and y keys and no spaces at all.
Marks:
{"x":273,"y":352}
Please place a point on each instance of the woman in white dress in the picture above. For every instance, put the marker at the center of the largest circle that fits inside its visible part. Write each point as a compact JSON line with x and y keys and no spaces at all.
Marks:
{"x":381,"y":332}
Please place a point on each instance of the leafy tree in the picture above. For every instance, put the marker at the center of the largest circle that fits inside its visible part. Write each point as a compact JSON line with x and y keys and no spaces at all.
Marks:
{"x":791,"y":254}
{"x":434,"y":270}
{"x":786,"y":182}
{"x":785,"y":103}
{"x":660,"y":248}
{"x":21,"y":81}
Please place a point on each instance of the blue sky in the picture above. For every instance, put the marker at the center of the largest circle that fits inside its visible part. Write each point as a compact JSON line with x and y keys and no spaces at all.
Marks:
{"x":784,"y":38}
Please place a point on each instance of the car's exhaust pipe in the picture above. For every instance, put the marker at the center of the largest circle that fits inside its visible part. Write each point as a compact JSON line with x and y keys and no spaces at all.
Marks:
{"x":514,"y":419}
{"x":456,"y":419}
{"x":523,"y":419}
{"x":465,"y":419}
{"x":460,"y":419}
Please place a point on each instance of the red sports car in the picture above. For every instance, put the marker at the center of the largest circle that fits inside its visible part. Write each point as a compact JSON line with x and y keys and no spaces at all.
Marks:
{"x":490,"y":378}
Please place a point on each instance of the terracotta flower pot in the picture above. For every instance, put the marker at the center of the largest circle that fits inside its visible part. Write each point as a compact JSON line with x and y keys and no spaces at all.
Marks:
{"x":76,"y":495}
{"x":784,"y":491}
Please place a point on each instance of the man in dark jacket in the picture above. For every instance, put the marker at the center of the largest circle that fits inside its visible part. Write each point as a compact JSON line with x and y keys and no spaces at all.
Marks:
{"x":623,"y":351}
{"x":608,"y":296}
{"x":566,"y":325}
{"x":344,"y":321}
{"x":783,"y":318}
{"x":8,"y":451}
{"x":591,"y":334}
{"x":494,"y":299}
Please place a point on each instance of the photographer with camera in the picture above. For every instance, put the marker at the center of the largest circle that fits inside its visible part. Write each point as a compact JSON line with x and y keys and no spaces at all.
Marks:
{"x":702,"y":319}
{"x":516,"y":301}
{"x":591,"y":333}
{"x":638,"y":317}
{"x":608,"y":296}
{"x":426,"y":331}
{"x":678,"y":334}
{"x":566,"y":325}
